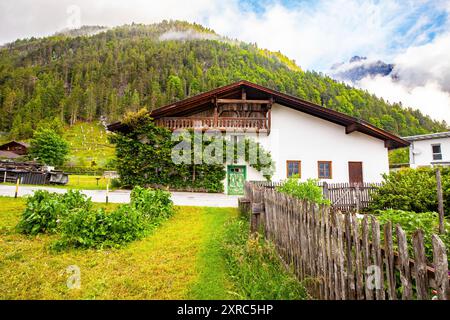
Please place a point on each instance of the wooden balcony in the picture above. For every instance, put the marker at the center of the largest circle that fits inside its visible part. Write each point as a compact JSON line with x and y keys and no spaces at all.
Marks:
{"x":220,"y":123}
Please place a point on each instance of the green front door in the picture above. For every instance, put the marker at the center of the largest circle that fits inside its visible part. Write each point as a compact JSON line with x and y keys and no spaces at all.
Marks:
{"x":236,"y":179}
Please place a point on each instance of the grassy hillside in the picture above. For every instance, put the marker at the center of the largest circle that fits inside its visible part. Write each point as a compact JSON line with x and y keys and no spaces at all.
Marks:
{"x":88,"y":145}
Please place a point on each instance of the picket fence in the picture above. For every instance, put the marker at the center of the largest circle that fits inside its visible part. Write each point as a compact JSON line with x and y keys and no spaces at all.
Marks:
{"x":345,"y":256}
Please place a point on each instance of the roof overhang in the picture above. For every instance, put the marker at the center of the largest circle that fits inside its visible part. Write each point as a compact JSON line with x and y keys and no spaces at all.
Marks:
{"x":429,"y":136}
{"x":255,"y":91}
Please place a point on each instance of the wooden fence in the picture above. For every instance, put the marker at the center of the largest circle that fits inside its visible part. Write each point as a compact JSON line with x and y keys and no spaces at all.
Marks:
{"x":349,"y":197}
{"x":343,"y":196}
{"x":340,"y":256}
{"x":26,"y":177}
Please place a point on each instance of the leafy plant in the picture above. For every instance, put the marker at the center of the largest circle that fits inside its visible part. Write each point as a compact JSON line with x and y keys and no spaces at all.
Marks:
{"x":308,"y":190}
{"x":44,"y":210}
{"x":86,"y":229}
{"x":411,"y":190}
{"x":411,"y":221}
{"x":152,"y":203}
{"x":41,"y":213}
{"x":70,"y":214}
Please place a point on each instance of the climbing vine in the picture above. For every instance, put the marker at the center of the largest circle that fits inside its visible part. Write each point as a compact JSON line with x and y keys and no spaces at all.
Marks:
{"x":145,"y":153}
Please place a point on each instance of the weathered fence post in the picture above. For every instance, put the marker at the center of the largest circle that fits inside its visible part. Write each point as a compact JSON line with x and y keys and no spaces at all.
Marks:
{"x":326,"y":193}
{"x":257,"y":209}
{"x":440,"y":201}
{"x":244,"y":203}
{"x":441,"y":267}
{"x":420,"y":266}
{"x":17,"y":186}
{"x":358,"y":198}
{"x":107,"y":191}
{"x":403,"y":261}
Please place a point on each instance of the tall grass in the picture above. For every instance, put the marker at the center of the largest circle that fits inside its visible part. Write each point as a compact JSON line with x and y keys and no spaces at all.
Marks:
{"x":255,"y":268}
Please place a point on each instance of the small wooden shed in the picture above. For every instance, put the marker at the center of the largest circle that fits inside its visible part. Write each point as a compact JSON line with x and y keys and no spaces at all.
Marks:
{"x":18,"y":148}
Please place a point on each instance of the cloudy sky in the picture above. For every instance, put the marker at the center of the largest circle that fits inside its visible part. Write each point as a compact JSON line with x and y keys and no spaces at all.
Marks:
{"x":415,"y":35}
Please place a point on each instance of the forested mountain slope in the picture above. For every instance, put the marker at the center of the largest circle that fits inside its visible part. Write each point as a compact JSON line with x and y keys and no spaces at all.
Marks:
{"x":80,"y":78}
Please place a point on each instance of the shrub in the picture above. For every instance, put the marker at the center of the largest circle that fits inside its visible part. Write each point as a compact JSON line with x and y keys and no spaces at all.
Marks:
{"x":256,"y":268}
{"x":308,"y":190}
{"x":49,"y":147}
{"x":115,"y":183}
{"x":153,"y":203}
{"x":41,"y":213}
{"x":86,"y":229}
{"x":411,"y":221}
{"x":73,"y":199}
{"x":411,"y":190}
{"x":72,"y":216}
{"x":44,"y":209}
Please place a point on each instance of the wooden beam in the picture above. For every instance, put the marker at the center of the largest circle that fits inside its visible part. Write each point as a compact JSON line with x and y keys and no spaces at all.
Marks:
{"x":388,"y":144}
{"x":440,"y":201}
{"x":240,"y":101}
{"x":216,"y":113}
{"x":269,"y":114}
{"x":351,"y":128}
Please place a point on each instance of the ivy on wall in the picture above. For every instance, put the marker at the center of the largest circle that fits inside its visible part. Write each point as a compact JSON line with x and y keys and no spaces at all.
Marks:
{"x":145,"y":157}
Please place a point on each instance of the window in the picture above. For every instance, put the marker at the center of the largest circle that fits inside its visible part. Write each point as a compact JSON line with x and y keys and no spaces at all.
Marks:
{"x":437,"y":153}
{"x":294,"y":167}
{"x":324,"y":168}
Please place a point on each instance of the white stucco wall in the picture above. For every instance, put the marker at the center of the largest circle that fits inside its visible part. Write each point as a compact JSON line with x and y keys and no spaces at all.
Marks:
{"x":298,"y":136}
{"x":423,"y":154}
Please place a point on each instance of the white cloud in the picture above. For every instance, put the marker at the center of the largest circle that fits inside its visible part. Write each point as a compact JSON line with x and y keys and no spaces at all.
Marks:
{"x":422,"y":79}
{"x":187,"y":35}
{"x":418,"y":65}
{"x":429,"y":98}
{"x":315,"y":34}
{"x":25,"y":18}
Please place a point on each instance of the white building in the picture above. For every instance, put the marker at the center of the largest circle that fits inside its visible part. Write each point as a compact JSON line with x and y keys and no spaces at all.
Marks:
{"x":429,"y":149}
{"x":303,"y":138}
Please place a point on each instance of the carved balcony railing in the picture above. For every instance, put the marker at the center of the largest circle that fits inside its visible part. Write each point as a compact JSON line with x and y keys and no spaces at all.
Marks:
{"x":221,"y":123}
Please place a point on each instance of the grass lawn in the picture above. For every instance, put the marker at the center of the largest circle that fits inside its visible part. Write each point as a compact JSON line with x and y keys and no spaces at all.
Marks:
{"x":86,"y":182}
{"x":180,"y":260}
{"x":88,"y":142}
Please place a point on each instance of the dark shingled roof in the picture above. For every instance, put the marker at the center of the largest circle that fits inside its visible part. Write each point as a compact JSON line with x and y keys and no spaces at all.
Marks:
{"x":8,"y":154}
{"x":256,"y":91}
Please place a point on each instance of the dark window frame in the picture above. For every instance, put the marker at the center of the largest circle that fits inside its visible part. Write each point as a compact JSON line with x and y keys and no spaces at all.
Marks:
{"x":330,"y":170}
{"x":436,"y":155}
{"x":299,"y":163}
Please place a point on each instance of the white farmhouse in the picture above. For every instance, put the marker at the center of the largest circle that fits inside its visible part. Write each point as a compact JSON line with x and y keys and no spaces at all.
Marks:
{"x":303,"y":138}
{"x":429,"y":149}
